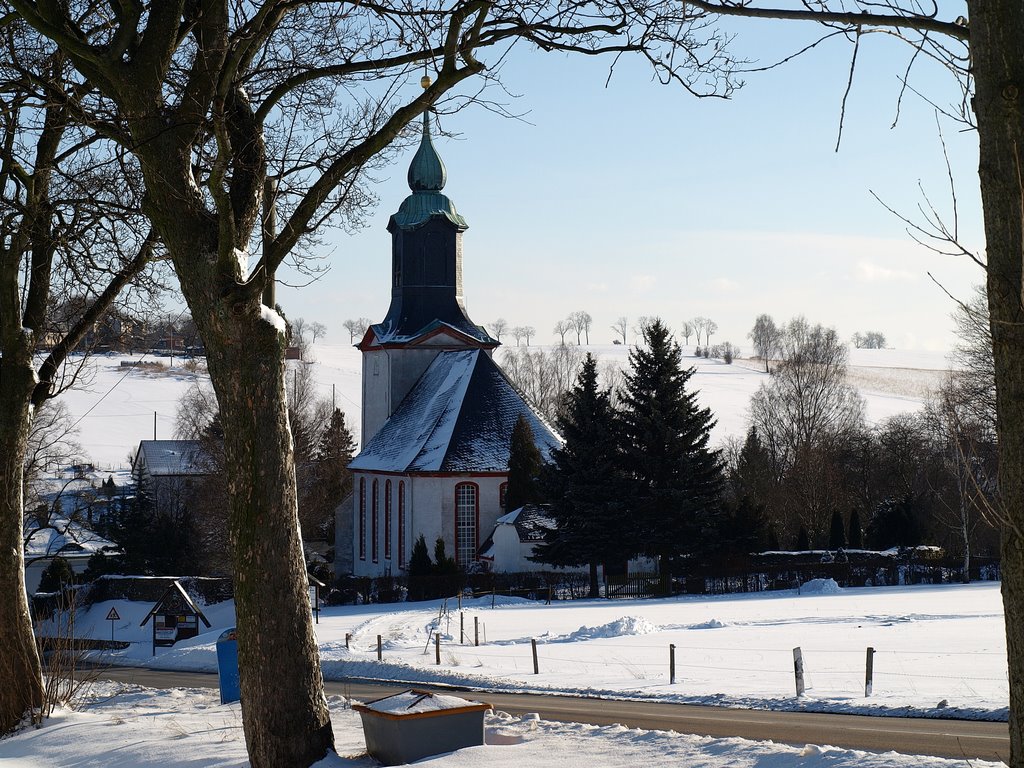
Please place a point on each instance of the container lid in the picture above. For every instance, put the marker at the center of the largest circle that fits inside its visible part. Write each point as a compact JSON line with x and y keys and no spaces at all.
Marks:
{"x":414,"y":703}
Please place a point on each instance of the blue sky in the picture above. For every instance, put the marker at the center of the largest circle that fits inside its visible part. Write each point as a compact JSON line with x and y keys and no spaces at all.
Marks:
{"x":639,"y":199}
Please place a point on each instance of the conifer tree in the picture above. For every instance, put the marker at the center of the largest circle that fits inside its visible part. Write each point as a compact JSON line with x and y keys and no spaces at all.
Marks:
{"x":524,"y":466}
{"x":803,"y":540}
{"x":675,"y":480}
{"x":855,"y":536}
{"x":583,"y":484}
{"x":837,"y":531}
{"x":420,"y":570}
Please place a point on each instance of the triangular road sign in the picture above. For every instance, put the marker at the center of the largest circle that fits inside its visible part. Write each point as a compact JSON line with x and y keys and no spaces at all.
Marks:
{"x":113,"y":615}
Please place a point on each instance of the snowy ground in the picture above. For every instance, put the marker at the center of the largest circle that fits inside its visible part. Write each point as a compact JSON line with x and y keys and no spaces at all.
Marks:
{"x":132,"y":727}
{"x":115,"y":409}
{"x":940,"y":650}
{"x":934,"y":644}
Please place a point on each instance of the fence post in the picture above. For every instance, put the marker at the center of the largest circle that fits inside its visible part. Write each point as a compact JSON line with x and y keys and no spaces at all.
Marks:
{"x":462,"y":628}
{"x":869,"y":671}
{"x":672,"y":664}
{"x":798,"y":670}
{"x":476,"y":630}
{"x":380,"y":648}
{"x":536,"y":667}
{"x":437,"y":648}
{"x":348,"y":639}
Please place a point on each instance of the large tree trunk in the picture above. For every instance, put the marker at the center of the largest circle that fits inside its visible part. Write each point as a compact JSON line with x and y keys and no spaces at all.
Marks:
{"x":997,"y":40}
{"x":284,"y":710}
{"x":21,"y":685}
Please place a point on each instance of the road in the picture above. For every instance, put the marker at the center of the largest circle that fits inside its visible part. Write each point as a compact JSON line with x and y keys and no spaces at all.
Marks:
{"x":969,"y":739}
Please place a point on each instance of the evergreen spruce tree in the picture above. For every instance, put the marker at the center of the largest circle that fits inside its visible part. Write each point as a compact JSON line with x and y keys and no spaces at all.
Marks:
{"x":675,"y":480}
{"x":803,"y":540}
{"x":524,"y":466}
{"x":855,"y":536}
{"x":420,"y":570}
{"x":837,"y":531}
{"x":583,"y":484}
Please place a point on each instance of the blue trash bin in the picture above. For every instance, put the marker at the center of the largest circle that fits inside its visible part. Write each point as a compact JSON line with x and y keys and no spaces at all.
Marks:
{"x":227,"y":666}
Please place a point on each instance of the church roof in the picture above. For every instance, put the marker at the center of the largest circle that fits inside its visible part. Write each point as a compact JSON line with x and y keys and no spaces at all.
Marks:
{"x":386,"y":333}
{"x":457,"y":418}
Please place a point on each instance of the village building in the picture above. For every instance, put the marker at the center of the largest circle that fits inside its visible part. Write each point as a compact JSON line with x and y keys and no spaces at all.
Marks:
{"x":170,"y":473}
{"x":437,"y":411}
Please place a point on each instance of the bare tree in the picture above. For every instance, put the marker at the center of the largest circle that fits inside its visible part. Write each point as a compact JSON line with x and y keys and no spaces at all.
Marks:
{"x":868,"y":340}
{"x":687,"y":330}
{"x":317,"y":331}
{"x":561,"y":328}
{"x":68,"y":228}
{"x":528,"y":333}
{"x":972,"y":353}
{"x":642,"y":323}
{"x":710,"y":328}
{"x":808,"y":401}
{"x":581,"y":322}
{"x":766,"y":338}
{"x":543,"y":376}
{"x":699,"y":324}
{"x":211,"y":98}
{"x":498,"y":327}
{"x":352,"y":326}
{"x":621,"y":327}
{"x":518,"y":332}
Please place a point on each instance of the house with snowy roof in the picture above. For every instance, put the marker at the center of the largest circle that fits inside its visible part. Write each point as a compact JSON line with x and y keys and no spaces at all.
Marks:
{"x":170,"y":472}
{"x":438,"y":412}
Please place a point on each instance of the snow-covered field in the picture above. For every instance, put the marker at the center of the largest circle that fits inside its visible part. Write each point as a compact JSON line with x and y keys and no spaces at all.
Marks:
{"x":939,"y":652}
{"x":116,"y":408}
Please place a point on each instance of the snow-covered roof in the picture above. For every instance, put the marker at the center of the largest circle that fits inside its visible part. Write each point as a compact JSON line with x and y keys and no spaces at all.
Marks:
{"x":457,"y":418}
{"x":174,"y":457}
{"x":407,"y":328}
{"x":530,"y":521}
{"x":62,"y":537}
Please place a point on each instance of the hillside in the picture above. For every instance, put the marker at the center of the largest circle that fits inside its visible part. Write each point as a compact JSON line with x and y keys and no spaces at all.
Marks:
{"x":115,"y":407}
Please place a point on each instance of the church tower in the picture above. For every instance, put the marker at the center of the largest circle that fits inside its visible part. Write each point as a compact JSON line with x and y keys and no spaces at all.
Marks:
{"x":427,"y":314}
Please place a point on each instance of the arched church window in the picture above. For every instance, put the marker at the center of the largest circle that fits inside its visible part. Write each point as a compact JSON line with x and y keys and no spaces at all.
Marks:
{"x":373,"y":522}
{"x":467,"y":523}
{"x":387,"y":520}
{"x":401,"y":523}
{"x":362,"y":518}
{"x":502,"y":492}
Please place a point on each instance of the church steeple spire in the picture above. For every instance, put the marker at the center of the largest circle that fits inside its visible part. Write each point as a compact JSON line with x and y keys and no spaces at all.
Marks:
{"x":426,"y":177}
{"x":426,"y":258}
{"x":426,"y":172}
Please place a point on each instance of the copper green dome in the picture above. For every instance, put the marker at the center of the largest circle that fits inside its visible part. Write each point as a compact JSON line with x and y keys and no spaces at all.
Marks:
{"x":426,"y":173}
{"x":426,"y":180}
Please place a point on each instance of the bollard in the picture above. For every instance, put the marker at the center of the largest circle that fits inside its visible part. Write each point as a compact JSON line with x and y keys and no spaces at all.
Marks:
{"x":380,"y":648}
{"x":798,"y":670}
{"x":437,"y":648}
{"x":462,"y":628}
{"x":671,"y":664}
{"x":348,"y":640}
{"x":476,"y":630}
{"x":869,"y":671}
{"x":536,"y":666}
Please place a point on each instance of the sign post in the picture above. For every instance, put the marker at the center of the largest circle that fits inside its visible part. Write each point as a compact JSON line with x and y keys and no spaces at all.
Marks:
{"x":112,"y":616}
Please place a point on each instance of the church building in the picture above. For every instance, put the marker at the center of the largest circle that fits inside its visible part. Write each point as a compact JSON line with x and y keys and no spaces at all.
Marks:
{"x":438,"y":412}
